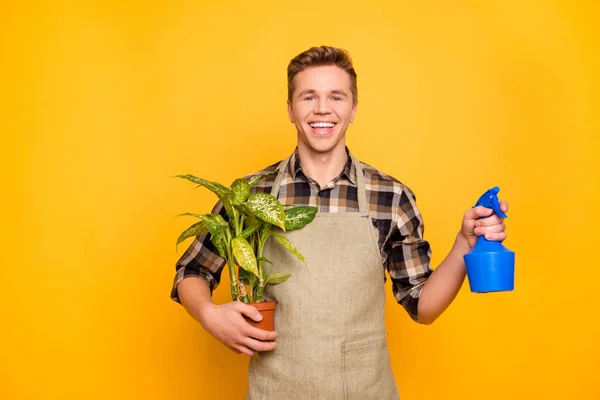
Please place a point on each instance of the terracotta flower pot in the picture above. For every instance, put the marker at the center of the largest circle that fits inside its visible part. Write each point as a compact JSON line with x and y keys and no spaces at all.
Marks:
{"x":267,"y":310}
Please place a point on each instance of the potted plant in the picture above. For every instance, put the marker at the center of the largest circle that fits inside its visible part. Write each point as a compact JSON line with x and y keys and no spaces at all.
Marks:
{"x":252,"y":219}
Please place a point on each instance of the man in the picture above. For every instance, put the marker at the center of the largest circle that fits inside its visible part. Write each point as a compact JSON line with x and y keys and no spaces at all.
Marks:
{"x":331,"y":340}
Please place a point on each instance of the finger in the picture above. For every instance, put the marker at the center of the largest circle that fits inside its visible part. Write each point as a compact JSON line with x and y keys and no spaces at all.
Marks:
{"x":483,"y":212}
{"x":504,"y":206}
{"x":490,"y":229}
{"x":496,"y":237}
{"x":245,"y":350}
{"x":249,"y":311}
{"x":236,"y":351}
{"x":261,"y":334}
{"x":257,"y":345}
{"x":489,"y":221}
{"x":478,"y":212}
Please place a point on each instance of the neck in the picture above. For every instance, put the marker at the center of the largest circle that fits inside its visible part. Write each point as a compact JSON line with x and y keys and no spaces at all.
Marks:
{"x":322,"y":167}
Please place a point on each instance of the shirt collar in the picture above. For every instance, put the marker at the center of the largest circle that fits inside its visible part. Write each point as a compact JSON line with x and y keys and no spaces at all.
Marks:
{"x":349,"y":170}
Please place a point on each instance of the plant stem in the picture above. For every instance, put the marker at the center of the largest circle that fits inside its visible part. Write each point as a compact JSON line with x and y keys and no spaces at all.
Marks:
{"x":242,"y":218}
{"x":241,"y":285}
{"x":231,"y":267}
{"x":252,"y":283}
{"x":232,"y":278}
{"x":242,"y":288}
{"x":261,"y":271}
{"x":236,"y":222}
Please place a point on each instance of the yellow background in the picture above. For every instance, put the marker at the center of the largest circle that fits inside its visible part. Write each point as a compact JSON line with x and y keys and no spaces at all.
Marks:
{"x":104,"y":100}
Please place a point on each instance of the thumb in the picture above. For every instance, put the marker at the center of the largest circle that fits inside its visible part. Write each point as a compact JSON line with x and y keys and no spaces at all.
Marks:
{"x":250,"y":312}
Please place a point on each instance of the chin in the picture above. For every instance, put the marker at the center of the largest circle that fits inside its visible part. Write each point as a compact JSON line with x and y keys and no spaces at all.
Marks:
{"x":320,"y":145}
{"x":322,"y":148}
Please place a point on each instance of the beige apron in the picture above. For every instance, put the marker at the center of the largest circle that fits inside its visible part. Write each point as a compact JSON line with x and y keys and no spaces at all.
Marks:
{"x":330,"y":313}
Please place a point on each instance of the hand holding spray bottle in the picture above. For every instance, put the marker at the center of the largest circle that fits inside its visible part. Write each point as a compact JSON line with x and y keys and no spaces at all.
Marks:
{"x":490,"y":265}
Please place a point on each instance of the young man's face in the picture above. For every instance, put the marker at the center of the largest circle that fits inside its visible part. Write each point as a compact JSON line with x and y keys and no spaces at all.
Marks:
{"x":321,"y":108}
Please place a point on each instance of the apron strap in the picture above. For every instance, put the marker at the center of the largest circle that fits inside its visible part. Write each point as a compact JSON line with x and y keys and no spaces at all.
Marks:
{"x":361,"y":190}
{"x":360,"y":183}
{"x":280,"y":170}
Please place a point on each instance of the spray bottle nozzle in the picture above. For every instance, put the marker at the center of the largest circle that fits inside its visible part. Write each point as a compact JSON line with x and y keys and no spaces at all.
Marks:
{"x":490,"y":200}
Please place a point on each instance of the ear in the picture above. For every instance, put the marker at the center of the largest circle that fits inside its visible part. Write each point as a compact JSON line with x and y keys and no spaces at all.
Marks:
{"x":353,"y":114}
{"x":290,"y":111}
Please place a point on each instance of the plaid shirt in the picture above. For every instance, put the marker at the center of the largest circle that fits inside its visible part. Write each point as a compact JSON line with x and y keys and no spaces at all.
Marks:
{"x":404,"y":252}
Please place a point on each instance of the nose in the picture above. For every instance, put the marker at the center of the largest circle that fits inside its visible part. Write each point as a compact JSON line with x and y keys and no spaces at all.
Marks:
{"x":322,"y":107}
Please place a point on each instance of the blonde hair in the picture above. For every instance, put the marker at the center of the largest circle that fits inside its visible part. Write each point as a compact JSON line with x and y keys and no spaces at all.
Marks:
{"x":317,"y":56}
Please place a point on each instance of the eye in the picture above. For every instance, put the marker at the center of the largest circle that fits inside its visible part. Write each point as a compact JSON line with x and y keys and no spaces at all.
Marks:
{"x":336,"y":98}
{"x":309,"y":98}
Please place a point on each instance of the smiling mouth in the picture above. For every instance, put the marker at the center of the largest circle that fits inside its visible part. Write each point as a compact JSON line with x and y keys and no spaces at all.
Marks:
{"x":322,"y":124}
{"x":322,"y":127}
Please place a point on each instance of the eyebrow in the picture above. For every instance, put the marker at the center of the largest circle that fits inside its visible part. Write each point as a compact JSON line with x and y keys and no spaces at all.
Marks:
{"x":312,"y":91}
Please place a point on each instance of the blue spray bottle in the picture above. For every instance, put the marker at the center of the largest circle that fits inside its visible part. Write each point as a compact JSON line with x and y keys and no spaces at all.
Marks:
{"x":490,"y":265}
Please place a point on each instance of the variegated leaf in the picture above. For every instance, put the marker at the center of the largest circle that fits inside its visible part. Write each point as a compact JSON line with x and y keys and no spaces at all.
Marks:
{"x":214,"y":187}
{"x":250,"y":230}
{"x":218,"y":218}
{"x":215,"y":223}
{"x":267,"y":208}
{"x":298,"y":217}
{"x":220,"y":243}
{"x":228,"y":205}
{"x":244,"y":255}
{"x":240,"y":190}
{"x":275,"y":279}
{"x":215,"y":218}
{"x":198,"y":228}
{"x":288,"y":245}
{"x":255,"y":180}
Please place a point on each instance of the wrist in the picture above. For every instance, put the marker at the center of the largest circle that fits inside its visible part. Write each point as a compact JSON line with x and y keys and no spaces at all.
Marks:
{"x":204,"y":311}
{"x":461,"y":245}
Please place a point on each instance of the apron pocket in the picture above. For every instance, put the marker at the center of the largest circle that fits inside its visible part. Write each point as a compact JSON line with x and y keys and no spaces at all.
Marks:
{"x":367,"y":370}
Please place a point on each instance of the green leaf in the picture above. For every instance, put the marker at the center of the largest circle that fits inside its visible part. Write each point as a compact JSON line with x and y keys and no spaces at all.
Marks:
{"x":264,"y":230}
{"x":288,"y":245}
{"x":240,"y":190}
{"x":228,"y":205}
{"x":215,"y":223}
{"x":250,"y":230}
{"x":218,"y":218}
{"x":267,"y":208}
{"x":250,"y":277}
{"x":262,"y":259}
{"x":220,"y":243}
{"x":190,"y":215}
{"x":255,"y":180}
{"x":198,"y":228}
{"x":244,"y":255}
{"x":275,"y":279}
{"x":250,"y":221}
{"x":298,"y":217}
{"x":214,"y":187}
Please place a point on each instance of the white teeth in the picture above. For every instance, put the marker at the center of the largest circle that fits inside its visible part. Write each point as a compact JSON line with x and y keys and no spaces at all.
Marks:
{"x":322,"y":125}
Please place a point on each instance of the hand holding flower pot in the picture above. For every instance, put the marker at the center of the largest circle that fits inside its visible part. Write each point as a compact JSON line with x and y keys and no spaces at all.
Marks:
{"x":252,"y":219}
